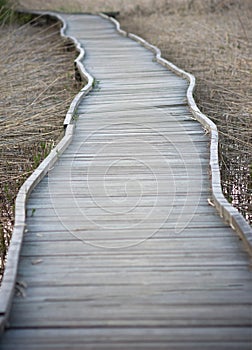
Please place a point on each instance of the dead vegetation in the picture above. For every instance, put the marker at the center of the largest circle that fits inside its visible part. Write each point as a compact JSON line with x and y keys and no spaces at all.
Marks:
{"x":212,"y":40}
{"x":37,"y":86}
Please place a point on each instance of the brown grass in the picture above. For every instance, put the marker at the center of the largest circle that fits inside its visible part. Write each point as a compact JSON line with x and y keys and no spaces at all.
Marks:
{"x":37,"y":86}
{"x":213,"y":43}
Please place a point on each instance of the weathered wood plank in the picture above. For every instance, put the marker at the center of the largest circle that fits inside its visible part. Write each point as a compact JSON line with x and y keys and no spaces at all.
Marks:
{"x":138,"y":338}
{"x":115,"y":313}
{"x":226,"y":295}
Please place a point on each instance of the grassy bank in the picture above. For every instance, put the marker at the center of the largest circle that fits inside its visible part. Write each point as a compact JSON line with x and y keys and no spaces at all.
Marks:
{"x":37,"y":87}
{"x":212,"y":40}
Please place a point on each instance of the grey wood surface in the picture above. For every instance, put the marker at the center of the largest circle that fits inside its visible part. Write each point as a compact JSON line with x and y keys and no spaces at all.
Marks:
{"x":122,"y":249}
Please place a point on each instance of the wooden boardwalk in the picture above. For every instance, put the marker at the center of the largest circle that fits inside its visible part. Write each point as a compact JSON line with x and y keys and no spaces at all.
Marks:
{"x":122,"y":249}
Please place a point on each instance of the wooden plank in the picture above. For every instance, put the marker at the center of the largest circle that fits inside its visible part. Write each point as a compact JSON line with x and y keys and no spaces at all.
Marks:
{"x":226,"y":295}
{"x":116,"y":313}
{"x":66,"y":235}
{"x":134,"y":276}
{"x":134,"y":338}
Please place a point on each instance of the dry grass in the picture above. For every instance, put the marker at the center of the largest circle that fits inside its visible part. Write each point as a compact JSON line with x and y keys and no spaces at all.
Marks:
{"x":37,"y":86}
{"x":89,"y":6}
{"x":215,"y":44}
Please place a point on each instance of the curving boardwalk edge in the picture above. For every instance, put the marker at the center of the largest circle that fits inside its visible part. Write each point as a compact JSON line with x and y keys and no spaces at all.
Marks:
{"x":229,"y":213}
{"x":7,"y":287}
{"x":224,"y":208}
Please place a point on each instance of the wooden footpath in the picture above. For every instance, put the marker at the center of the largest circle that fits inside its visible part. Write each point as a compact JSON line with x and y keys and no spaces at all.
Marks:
{"x":122,"y":249}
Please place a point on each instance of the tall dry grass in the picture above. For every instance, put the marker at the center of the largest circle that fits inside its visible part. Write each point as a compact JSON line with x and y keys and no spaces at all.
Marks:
{"x":212,"y":40}
{"x":37,"y":87}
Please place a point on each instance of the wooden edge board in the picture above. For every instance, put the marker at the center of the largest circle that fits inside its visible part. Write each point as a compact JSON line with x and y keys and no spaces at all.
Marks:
{"x":7,"y":288}
{"x":224,"y":208}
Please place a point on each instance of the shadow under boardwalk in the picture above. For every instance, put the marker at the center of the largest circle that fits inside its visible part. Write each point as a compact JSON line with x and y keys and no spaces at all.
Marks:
{"x":122,"y":249}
